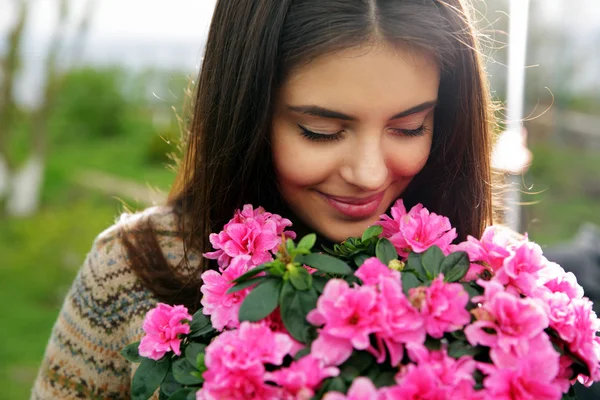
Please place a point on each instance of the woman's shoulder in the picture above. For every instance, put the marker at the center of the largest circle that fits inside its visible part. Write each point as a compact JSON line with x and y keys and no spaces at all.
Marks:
{"x":103,"y":312}
{"x":107,"y":270}
{"x":160,"y":222}
{"x":163,"y":220}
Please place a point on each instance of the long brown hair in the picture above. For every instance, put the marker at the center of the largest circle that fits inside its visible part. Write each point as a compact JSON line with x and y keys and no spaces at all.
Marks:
{"x":252,"y":46}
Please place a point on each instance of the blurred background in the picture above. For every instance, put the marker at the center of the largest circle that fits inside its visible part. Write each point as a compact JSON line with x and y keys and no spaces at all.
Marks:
{"x":92,"y":96}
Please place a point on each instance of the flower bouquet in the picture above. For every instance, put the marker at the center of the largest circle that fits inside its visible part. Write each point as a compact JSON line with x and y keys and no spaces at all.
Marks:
{"x":399,"y":313}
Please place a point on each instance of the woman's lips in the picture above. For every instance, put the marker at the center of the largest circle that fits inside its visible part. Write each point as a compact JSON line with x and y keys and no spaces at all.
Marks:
{"x":355,"y":207}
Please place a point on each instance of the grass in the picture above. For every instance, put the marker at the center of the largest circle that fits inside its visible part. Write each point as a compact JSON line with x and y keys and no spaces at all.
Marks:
{"x":40,"y":257}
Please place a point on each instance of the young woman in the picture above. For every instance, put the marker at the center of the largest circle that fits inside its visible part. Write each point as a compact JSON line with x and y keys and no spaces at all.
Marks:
{"x":324,"y":111}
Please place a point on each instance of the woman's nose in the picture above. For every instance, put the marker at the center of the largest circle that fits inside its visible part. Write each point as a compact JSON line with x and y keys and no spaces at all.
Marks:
{"x":365,"y":165}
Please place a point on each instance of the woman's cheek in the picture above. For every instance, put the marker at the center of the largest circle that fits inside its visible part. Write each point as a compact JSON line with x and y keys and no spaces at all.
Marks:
{"x":407,"y":158}
{"x":300,"y":162}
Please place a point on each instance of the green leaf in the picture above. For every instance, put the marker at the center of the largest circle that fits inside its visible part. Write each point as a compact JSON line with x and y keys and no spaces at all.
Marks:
{"x":432,"y":261}
{"x":301,"y":353}
{"x":570,"y":395}
{"x":386,"y":378}
{"x":348,"y":373}
{"x":131,"y":353}
{"x":385,"y":251}
{"x":459,"y":335}
{"x":289,"y":245}
{"x":325,"y":263}
{"x":261,"y":301}
{"x":148,"y":377}
{"x":319,"y":283}
{"x":248,"y":283}
{"x":200,"y":325}
{"x":169,"y":386}
{"x":301,"y":278}
{"x":455,"y":266}
{"x":472,"y":289}
{"x":307,"y":242}
{"x":361,"y":360}
{"x":276,"y":269}
{"x":414,"y":263}
{"x":360,"y":258}
{"x":192,"y":351}
{"x":457,"y":349}
{"x":254,"y":271}
{"x":352,"y":279}
{"x":337,"y":384}
{"x":372,"y":231}
{"x":200,"y":362}
{"x":182,"y":371}
{"x":409,"y":281}
{"x":183,"y":394}
{"x":432,"y":343}
{"x":295,"y":305}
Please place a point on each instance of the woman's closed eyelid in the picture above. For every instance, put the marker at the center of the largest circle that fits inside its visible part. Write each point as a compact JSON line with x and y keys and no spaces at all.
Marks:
{"x":408,"y":125}
{"x":324,"y":130}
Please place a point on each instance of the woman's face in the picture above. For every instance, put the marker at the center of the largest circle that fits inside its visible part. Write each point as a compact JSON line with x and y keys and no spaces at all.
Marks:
{"x":350,"y":131}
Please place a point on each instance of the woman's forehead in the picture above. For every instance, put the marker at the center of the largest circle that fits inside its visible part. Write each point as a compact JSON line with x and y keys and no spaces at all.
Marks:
{"x":364,"y":81}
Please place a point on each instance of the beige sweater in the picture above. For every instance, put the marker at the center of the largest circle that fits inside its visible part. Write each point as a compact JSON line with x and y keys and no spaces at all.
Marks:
{"x":102,"y":313}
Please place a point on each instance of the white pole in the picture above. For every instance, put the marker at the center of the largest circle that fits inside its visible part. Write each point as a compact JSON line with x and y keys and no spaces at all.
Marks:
{"x":517,"y":43}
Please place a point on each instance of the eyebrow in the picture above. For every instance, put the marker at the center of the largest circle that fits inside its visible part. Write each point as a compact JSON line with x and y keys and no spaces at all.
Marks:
{"x":321,"y":112}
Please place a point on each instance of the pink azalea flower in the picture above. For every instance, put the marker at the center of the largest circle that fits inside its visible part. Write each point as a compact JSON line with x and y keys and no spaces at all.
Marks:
{"x":584,"y":343}
{"x":416,"y":230}
{"x":554,"y":278}
{"x":400,"y":323}
{"x":487,"y":254}
{"x":251,"y":232}
{"x":561,"y":315}
{"x":330,"y":349}
{"x":515,"y":321}
{"x":451,"y":372}
{"x":241,"y":387}
{"x":275,"y":323}
{"x":235,"y":363}
{"x":521,"y":269}
{"x":373,"y":270}
{"x":362,"y":389}
{"x":302,"y":377}
{"x":442,"y":305}
{"x":164,"y":326}
{"x":345,"y":313}
{"x":216,"y":302}
{"x":517,"y":384}
{"x":527,"y":376}
{"x":414,"y":383}
{"x":563,"y":378}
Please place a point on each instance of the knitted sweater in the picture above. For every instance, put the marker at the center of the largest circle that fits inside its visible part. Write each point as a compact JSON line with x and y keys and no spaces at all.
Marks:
{"x":102,"y":313}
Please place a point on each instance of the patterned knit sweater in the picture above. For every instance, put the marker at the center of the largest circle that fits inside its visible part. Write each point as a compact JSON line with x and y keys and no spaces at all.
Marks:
{"x":102,"y":313}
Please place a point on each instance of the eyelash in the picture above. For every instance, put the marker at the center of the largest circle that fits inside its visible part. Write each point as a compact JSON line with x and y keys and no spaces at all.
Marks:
{"x":320,"y":137}
{"x":420,"y":131}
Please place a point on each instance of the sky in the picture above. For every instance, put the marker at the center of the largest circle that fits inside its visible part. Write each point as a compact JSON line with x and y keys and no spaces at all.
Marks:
{"x":173,"y":19}
{"x":135,"y":33}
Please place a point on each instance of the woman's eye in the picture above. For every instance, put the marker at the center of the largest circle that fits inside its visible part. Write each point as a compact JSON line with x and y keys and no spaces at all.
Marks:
{"x":316,"y":136}
{"x":420,"y":131}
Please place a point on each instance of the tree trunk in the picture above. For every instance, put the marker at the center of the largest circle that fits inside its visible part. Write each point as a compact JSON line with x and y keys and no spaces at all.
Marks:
{"x":27,"y":183}
{"x":25,"y":188}
{"x":9,"y":67}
